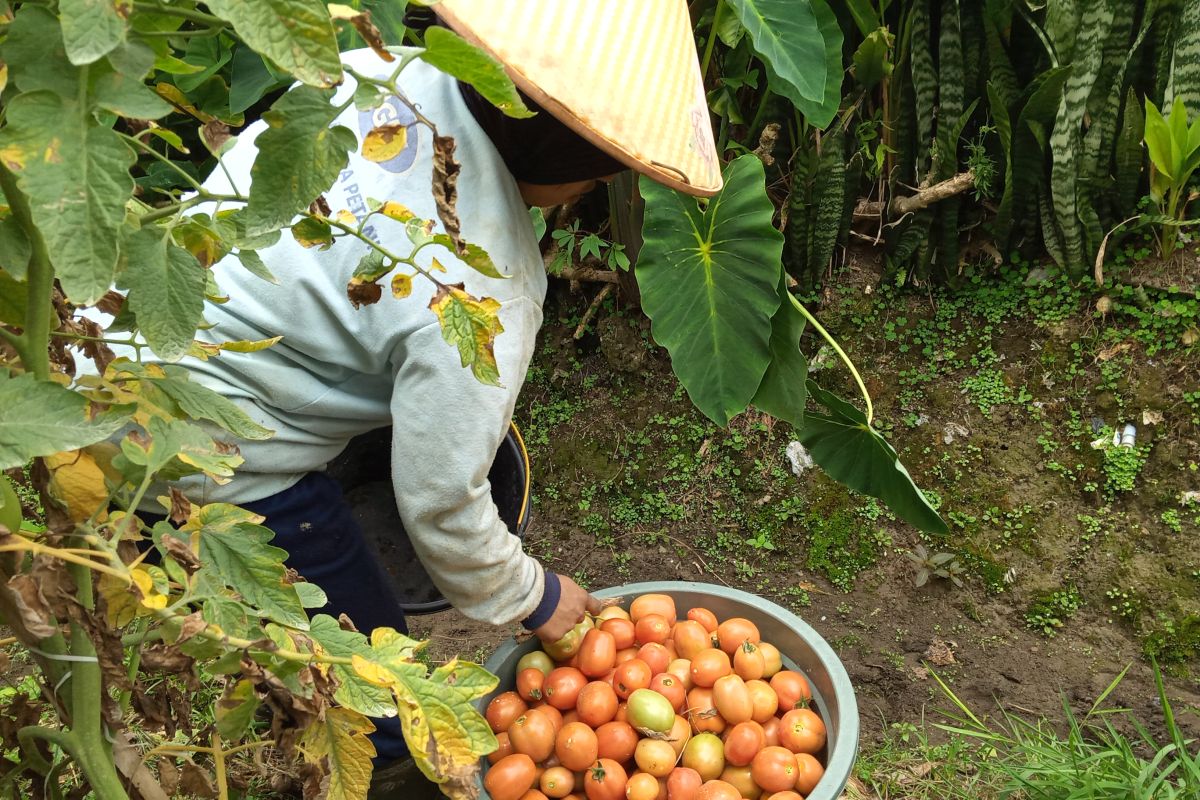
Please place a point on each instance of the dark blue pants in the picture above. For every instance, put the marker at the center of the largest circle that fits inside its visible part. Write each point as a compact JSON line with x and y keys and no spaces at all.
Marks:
{"x":314,"y":524}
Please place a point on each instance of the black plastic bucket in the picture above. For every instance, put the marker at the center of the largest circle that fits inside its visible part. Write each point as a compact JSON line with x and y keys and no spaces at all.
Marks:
{"x":364,"y":471}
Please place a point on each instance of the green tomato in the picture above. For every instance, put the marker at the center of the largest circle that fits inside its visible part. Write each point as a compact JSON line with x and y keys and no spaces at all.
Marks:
{"x":10,"y":506}
{"x":565,"y":647}
{"x":649,"y":710}
{"x":536,"y":659}
{"x":705,"y":753}
{"x":584,"y":626}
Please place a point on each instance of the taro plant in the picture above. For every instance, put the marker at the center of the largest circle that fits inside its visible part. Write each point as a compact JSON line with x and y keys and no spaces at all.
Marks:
{"x":1174,"y":148}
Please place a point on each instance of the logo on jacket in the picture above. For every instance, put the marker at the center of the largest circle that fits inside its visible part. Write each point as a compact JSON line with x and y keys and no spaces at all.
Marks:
{"x":393,"y":112}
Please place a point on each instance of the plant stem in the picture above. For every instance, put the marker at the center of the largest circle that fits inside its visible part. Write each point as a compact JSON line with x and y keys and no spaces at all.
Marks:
{"x":219,"y":767}
{"x":171,"y":210}
{"x":862,"y":388}
{"x":712,"y":39}
{"x":53,"y":552}
{"x":35,"y":338}
{"x":26,"y":735}
{"x":150,"y":151}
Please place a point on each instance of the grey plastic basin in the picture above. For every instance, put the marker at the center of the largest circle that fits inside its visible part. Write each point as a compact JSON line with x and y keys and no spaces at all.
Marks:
{"x":802,"y":647}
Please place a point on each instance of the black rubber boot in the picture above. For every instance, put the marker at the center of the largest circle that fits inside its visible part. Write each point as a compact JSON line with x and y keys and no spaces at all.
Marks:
{"x":402,"y":780}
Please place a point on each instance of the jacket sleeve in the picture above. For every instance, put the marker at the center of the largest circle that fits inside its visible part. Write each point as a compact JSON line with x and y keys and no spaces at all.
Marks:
{"x":447,"y":429}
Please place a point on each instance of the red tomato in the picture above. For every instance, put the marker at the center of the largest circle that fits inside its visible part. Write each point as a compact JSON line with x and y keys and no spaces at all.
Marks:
{"x":656,"y":657}
{"x":764,"y":700}
{"x":702,"y":713}
{"x":802,"y":731}
{"x":705,"y":754}
{"x":503,"y":748}
{"x":622,"y":630}
{"x":786,"y":795}
{"x":661,"y":604}
{"x":690,"y":638}
{"x":576,"y":746}
{"x":557,"y":782}
{"x":791,"y":687}
{"x":655,"y":757}
{"x":534,"y":794}
{"x":605,"y":780}
{"x":705,"y":617}
{"x":652,"y":628}
{"x":597,"y":654}
{"x":629,"y":677}
{"x":741,"y":780}
{"x":683,"y":782}
{"x":718,"y":790}
{"x":669,"y":687}
{"x":529,"y":684}
{"x":743,"y":742}
{"x":771,"y":731}
{"x":503,"y":709}
{"x":510,"y":777}
{"x":708,"y":665}
{"x":732,"y":699}
{"x":748,"y":662}
{"x":809,"y":772}
{"x":626,"y":654}
{"x":682,"y":668}
{"x":616,"y":740}
{"x":735,"y":630}
{"x":532,"y":733}
{"x":562,"y":687}
{"x":597,"y":704}
{"x":772,"y":659}
{"x":552,"y":713}
{"x":641,"y":786}
{"x":774,"y":769}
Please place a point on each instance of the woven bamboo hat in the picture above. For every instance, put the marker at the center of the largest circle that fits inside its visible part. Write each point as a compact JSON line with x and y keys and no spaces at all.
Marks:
{"x":622,"y":73}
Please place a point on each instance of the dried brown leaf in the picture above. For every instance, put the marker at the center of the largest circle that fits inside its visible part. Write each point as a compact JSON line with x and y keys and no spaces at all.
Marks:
{"x":320,"y":206}
{"x":183,"y":554}
{"x":194,"y":781}
{"x":168,"y":775}
{"x":940,"y":653}
{"x":445,"y":188}
{"x":31,"y":606}
{"x":192,"y":625}
{"x":363,"y":294}
{"x":111,"y":303}
{"x":215,"y":134}
{"x":346,"y":624}
{"x":181,"y":507}
{"x":165,"y":658}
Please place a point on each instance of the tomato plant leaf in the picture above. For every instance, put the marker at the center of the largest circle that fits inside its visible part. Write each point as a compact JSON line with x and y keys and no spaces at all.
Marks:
{"x":299,"y":156}
{"x":14,"y":245}
{"x":35,"y":54}
{"x":38,"y":418}
{"x":384,"y":142}
{"x":454,"y":55}
{"x":782,"y":393}
{"x":166,"y":291}
{"x":353,"y":690}
{"x":13,"y":304}
{"x":709,"y":282}
{"x":235,"y":710}
{"x":76,"y":175}
{"x":297,"y":35}
{"x":471,"y":324}
{"x":472,"y":255}
{"x":855,"y":454}
{"x":338,"y":742}
{"x":92,"y":28}
{"x":77,"y":483}
{"x":235,"y":551}
{"x":200,"y":402}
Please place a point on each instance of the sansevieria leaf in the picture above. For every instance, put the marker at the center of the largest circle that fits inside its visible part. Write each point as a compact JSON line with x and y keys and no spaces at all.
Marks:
{"x":709,"y":281}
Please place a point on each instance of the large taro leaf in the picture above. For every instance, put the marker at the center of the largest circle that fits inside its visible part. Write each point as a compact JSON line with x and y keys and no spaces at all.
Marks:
{"x":782,"y":393}
{"x":297,"y":35}
{"x":38,"y":418}
{"x":851,"y":452}
{"x":709,"y":282}
{"x":800,"y":43}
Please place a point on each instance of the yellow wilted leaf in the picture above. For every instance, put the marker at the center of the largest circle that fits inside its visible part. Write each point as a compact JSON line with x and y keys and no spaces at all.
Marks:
{"x":396,"y":211}
{"x":3,"y":75}
{"x":401,"y":285}
{"x":346,"y":218}
{"x":151,"y":598}
{"x":384,"y":143}
{"x":470,"y":324}
{"x":341,"y":738}
{"x":436,"y":265}
{"x":119,"y":600}
{"x":77,"y":482}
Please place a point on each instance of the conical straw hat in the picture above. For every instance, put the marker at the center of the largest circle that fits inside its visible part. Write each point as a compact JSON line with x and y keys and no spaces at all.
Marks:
{"x":622,"y":73}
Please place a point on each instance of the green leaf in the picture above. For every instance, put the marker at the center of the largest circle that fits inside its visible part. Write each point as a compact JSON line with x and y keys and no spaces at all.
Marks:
{"x":91,"y":28}
{"x":234,"y":549}
{"x":1158,"y":140}
{"x":872,"y":62}
{"x":250,"y":79}
{"x":782,"y":393}
{"x":166,"y":291}
{"x":353,"y":691}
{"x":297,"y":35}
{"x":474,"y":256}
{"x":471,"y":325}
{"x":38,"y":418}
{"x":855,"y":454}
{"x":338,"y":742}
{"x":175,"y":448}
{"x":253,"y":263}
{"x":313,"y":232}
{"x":200,"y":402}
{"x":235,"y":710}
{"x":35,"y":54}
{"x":709,"y":283}
{"x":76,"y":175}
{"x":311,"y":595}
{"x":449,"y":52}
{"x":14,"y":248}
{"x":800,"y":43}
{"x":299,"y":157}
{"x":13,"y":295}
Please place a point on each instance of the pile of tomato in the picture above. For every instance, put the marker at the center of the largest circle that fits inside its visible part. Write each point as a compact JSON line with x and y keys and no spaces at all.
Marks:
{"x":643,"y":705}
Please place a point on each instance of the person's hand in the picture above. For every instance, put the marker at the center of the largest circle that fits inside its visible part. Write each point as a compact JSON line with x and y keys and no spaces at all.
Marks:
{"x":573,"y":601}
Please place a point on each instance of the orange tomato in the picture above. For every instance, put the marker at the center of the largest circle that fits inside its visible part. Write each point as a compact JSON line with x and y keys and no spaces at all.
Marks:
{"x":705,"y":617}
{"x":734,"y":631}
{"x":739,"y":778}
{"x":630,"y":676}
{"x":774,"y":769}
{"x":708,"y":665}
{"x":557,"y":782}
{"x":534,"y":794}
{"x":652,"y":628}
{"x":553,"y":713}
{"x":764,"y":700}
{"x":742,"y":743}
{"x":702,"y":713}
{"x":748,"y":662}
{"x":787,"y":794}
{"x":802,"y":731}
{"x":771,"y":731}
{"x":503,"y":748}
{"x":661,"y":604}
{"x":576,"y":746}
{"x":605,"y":780}
{"x":532,"y":733}
{"x":672,"y":653}
{"x":690,"y":638}
{"x":718,"y":790}
{"x":656,"y":656}
{"x":679,"y":734}
{"x":641,"y":786}
{"x":598,"y":653}
{"x":682,"y":668}
{"x":655,"y":757}
{"x":732,"y":699}
{"x":616,"y":740}
{"x":529,"y":684}
{"x":503,"y":709}
{"x":597,"y":704}
{"x":626,"y":654}
{"x":791,"y":687}
{"x":562,"y":687}
{"x":622,"y":630}
{"x":510,"y":777}
{"x":808,"y":773}
{"x":683,"y":783}
{"x":772,"y":659}
{"x":570,"y":715}
{"x":669,"y":687}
